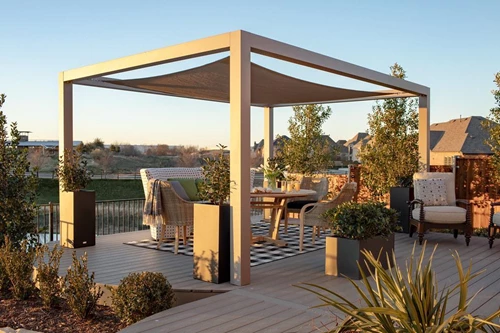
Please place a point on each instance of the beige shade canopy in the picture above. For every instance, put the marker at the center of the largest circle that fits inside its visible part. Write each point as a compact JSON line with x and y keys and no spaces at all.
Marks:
{"x":211,"y":82}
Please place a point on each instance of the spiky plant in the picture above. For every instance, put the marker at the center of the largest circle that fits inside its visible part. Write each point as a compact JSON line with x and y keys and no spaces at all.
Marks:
{"x":406,"y":300}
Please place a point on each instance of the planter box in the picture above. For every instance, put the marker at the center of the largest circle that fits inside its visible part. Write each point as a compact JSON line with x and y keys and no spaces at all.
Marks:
{"x":77,"y":218}
{"x":342,"y":254}
{"x":399,"y":196}
{"x":211,"y":243}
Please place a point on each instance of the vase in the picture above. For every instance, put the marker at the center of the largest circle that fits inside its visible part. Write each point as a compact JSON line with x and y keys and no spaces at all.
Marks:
{"x":271,"y":182}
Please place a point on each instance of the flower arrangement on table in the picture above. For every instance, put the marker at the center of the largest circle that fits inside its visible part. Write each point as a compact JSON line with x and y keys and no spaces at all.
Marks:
{"x":274,"y":171}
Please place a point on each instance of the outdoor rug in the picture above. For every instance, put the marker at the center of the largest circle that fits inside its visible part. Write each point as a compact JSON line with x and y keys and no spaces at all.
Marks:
{"x":260,"y":253}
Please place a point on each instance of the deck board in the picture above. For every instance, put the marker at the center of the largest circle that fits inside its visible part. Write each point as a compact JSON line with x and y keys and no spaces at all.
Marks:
{"x":272,"y":302}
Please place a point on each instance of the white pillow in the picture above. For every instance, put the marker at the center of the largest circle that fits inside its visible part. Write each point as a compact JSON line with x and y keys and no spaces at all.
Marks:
{"x":431,"y":191}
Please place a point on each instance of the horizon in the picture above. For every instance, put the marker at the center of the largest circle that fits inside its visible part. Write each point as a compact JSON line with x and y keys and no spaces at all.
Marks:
{"x":450,"y":49}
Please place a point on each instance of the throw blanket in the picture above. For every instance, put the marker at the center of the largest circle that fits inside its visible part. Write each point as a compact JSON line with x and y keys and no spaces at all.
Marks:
{"x":152,"y":213}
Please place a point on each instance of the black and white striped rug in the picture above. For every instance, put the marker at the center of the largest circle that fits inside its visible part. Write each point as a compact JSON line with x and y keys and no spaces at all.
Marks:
{"x":260,"y":253}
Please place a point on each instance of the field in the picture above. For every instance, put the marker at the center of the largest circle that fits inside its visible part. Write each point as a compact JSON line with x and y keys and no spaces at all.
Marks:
{"x":106,"y":189}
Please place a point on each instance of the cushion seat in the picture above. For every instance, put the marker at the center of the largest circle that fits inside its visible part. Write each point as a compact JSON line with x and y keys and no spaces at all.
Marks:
{"x":442,"y":214}
{"x":496,"y":219}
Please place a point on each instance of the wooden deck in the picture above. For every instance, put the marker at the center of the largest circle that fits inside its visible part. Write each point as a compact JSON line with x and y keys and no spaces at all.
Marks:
{"x":271,"y":303}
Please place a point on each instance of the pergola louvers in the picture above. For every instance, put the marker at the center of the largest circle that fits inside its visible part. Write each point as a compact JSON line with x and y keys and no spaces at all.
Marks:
{"x":242,"y":84}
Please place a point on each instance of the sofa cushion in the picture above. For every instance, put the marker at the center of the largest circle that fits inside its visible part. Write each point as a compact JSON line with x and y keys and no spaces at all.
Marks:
{"x":431,"y":191}
{"x":179,"y":189}
{"x":442,"y":214}
{"x":189,"y":186}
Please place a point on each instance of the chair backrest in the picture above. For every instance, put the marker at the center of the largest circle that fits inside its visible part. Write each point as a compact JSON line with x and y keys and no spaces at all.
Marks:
{"x":321,"y":188}
{"x":346,"y":194}
{"x":176,"y":211}
{"x":449,"y":180}
{"x":167,"y":173}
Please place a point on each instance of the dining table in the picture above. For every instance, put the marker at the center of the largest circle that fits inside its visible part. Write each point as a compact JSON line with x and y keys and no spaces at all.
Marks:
{"x":277,"y":206}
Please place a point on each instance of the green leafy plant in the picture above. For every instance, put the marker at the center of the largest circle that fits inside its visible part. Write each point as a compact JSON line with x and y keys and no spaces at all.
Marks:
{"x":72,"y":172}
{"x":17,"y":188}
{"x":361,"y":220}
{"x":47,"y":275}
{"x":406,"y":300}
{"x":494,"y":129}
{"x":18,"y":264}
{"x":80,"y":290}
{"x":391,"y":157}
{"x":216,"y":185}
{"x":308,"y":150}
{"x":140,"y":295}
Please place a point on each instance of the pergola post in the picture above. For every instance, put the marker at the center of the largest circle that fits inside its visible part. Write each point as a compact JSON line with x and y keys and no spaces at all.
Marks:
{"x":65,"y":115}
{"x":239,"y":98}
{"x":268,"y":150}
{"x":424,"y":132}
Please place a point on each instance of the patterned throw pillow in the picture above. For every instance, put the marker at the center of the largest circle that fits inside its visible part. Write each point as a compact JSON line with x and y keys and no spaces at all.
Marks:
{"x":431,"y":191}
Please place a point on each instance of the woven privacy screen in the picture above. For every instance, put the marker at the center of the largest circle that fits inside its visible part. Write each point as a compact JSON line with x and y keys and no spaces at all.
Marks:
{"x":211,"y":82}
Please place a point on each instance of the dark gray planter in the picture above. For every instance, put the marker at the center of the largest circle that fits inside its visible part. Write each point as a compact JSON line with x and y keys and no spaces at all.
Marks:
{"x":342,"y":254}
{"x":211,"y":257}
{"x":399,"y":201}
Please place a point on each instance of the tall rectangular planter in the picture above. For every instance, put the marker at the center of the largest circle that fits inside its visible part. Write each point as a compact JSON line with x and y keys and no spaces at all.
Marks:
{"x":341,"y":254}
{"x":77,"y":219}
{"x":211,"y":243}
{"x":399,"y":196}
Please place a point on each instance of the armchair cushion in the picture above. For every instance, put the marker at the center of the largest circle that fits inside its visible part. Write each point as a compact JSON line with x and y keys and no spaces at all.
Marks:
{"x":179,"y":189}
{"x":431,"y":191}
{"x":189,"y":185}
{"x":449,"y":180}
{"x":442,"y":214}
{"x":496,"y":219}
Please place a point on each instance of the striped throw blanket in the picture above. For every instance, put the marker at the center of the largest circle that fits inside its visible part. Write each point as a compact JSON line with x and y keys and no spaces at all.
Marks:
{"x":152,"y":212}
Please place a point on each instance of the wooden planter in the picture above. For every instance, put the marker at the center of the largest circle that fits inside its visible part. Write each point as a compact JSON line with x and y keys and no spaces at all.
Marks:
{"x":77,"y":219}
{"x":211,"y":243}
{"x":342,"y":254}
{"x":399,"y":197}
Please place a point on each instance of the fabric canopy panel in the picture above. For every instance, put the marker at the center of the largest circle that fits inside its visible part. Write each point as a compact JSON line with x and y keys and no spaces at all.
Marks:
{"x":268,"y":88}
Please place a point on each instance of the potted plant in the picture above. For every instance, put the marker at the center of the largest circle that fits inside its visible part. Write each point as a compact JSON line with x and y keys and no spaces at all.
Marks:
{"x":356,"y":227}
{"x":399,"y":197}
{"x":77,"y":215}
{"x":212,"y":221}
{"x":274,"y":172}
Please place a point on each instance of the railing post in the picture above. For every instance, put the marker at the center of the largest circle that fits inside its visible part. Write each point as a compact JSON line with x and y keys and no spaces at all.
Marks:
{"x":51,"y":222}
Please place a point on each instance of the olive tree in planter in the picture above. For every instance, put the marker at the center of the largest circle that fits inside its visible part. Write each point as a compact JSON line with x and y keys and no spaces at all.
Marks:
{"x":212,"y":221}
{"x":77,"y":215}
{"x":358,"y":227}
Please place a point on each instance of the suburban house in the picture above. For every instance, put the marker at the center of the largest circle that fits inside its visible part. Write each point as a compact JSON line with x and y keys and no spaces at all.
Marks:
{"x":458,"y":137}
{"x":354,"y":145}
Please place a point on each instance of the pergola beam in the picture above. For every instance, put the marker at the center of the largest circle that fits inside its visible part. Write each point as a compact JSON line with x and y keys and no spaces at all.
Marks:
{"x":279,"y":50}
{"x":196,"y":48}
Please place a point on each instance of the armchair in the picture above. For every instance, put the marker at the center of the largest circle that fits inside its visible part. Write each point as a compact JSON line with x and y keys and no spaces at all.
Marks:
{"x":312,"y":214}
{"x":435,"y":206}
{"x":176,"y":212}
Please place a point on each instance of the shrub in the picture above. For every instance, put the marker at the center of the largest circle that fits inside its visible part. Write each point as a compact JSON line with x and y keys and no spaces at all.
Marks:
{"x":18,"y":264}
{"x":72,"y":172}
{"x":362,"y":220}
{"x":407,"y":301}
{"x":140,"y":295}
{"x":80,"y":290}
{"x":216,"y":186}
{"x":4,"y":279}
{"x":48,"y":274}
{"x":17,"y":188}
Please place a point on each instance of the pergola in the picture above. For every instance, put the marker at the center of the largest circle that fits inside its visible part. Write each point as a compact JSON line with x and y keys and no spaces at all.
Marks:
{"x":241,"y":83}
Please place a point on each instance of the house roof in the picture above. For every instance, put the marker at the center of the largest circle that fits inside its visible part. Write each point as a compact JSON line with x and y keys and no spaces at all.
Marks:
{"x":211,"y":82}
{"x":355,"y":139}
{"x":465,"y":135}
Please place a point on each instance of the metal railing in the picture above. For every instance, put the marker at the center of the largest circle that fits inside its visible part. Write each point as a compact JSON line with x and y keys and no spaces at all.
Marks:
{"x":112,"y":217}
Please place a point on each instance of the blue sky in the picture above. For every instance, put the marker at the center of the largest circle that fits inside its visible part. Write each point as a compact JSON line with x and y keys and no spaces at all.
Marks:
{"x":450,"y":46}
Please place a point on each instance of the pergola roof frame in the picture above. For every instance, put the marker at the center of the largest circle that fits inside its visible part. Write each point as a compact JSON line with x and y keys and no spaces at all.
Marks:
{"x":240,"y":45}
